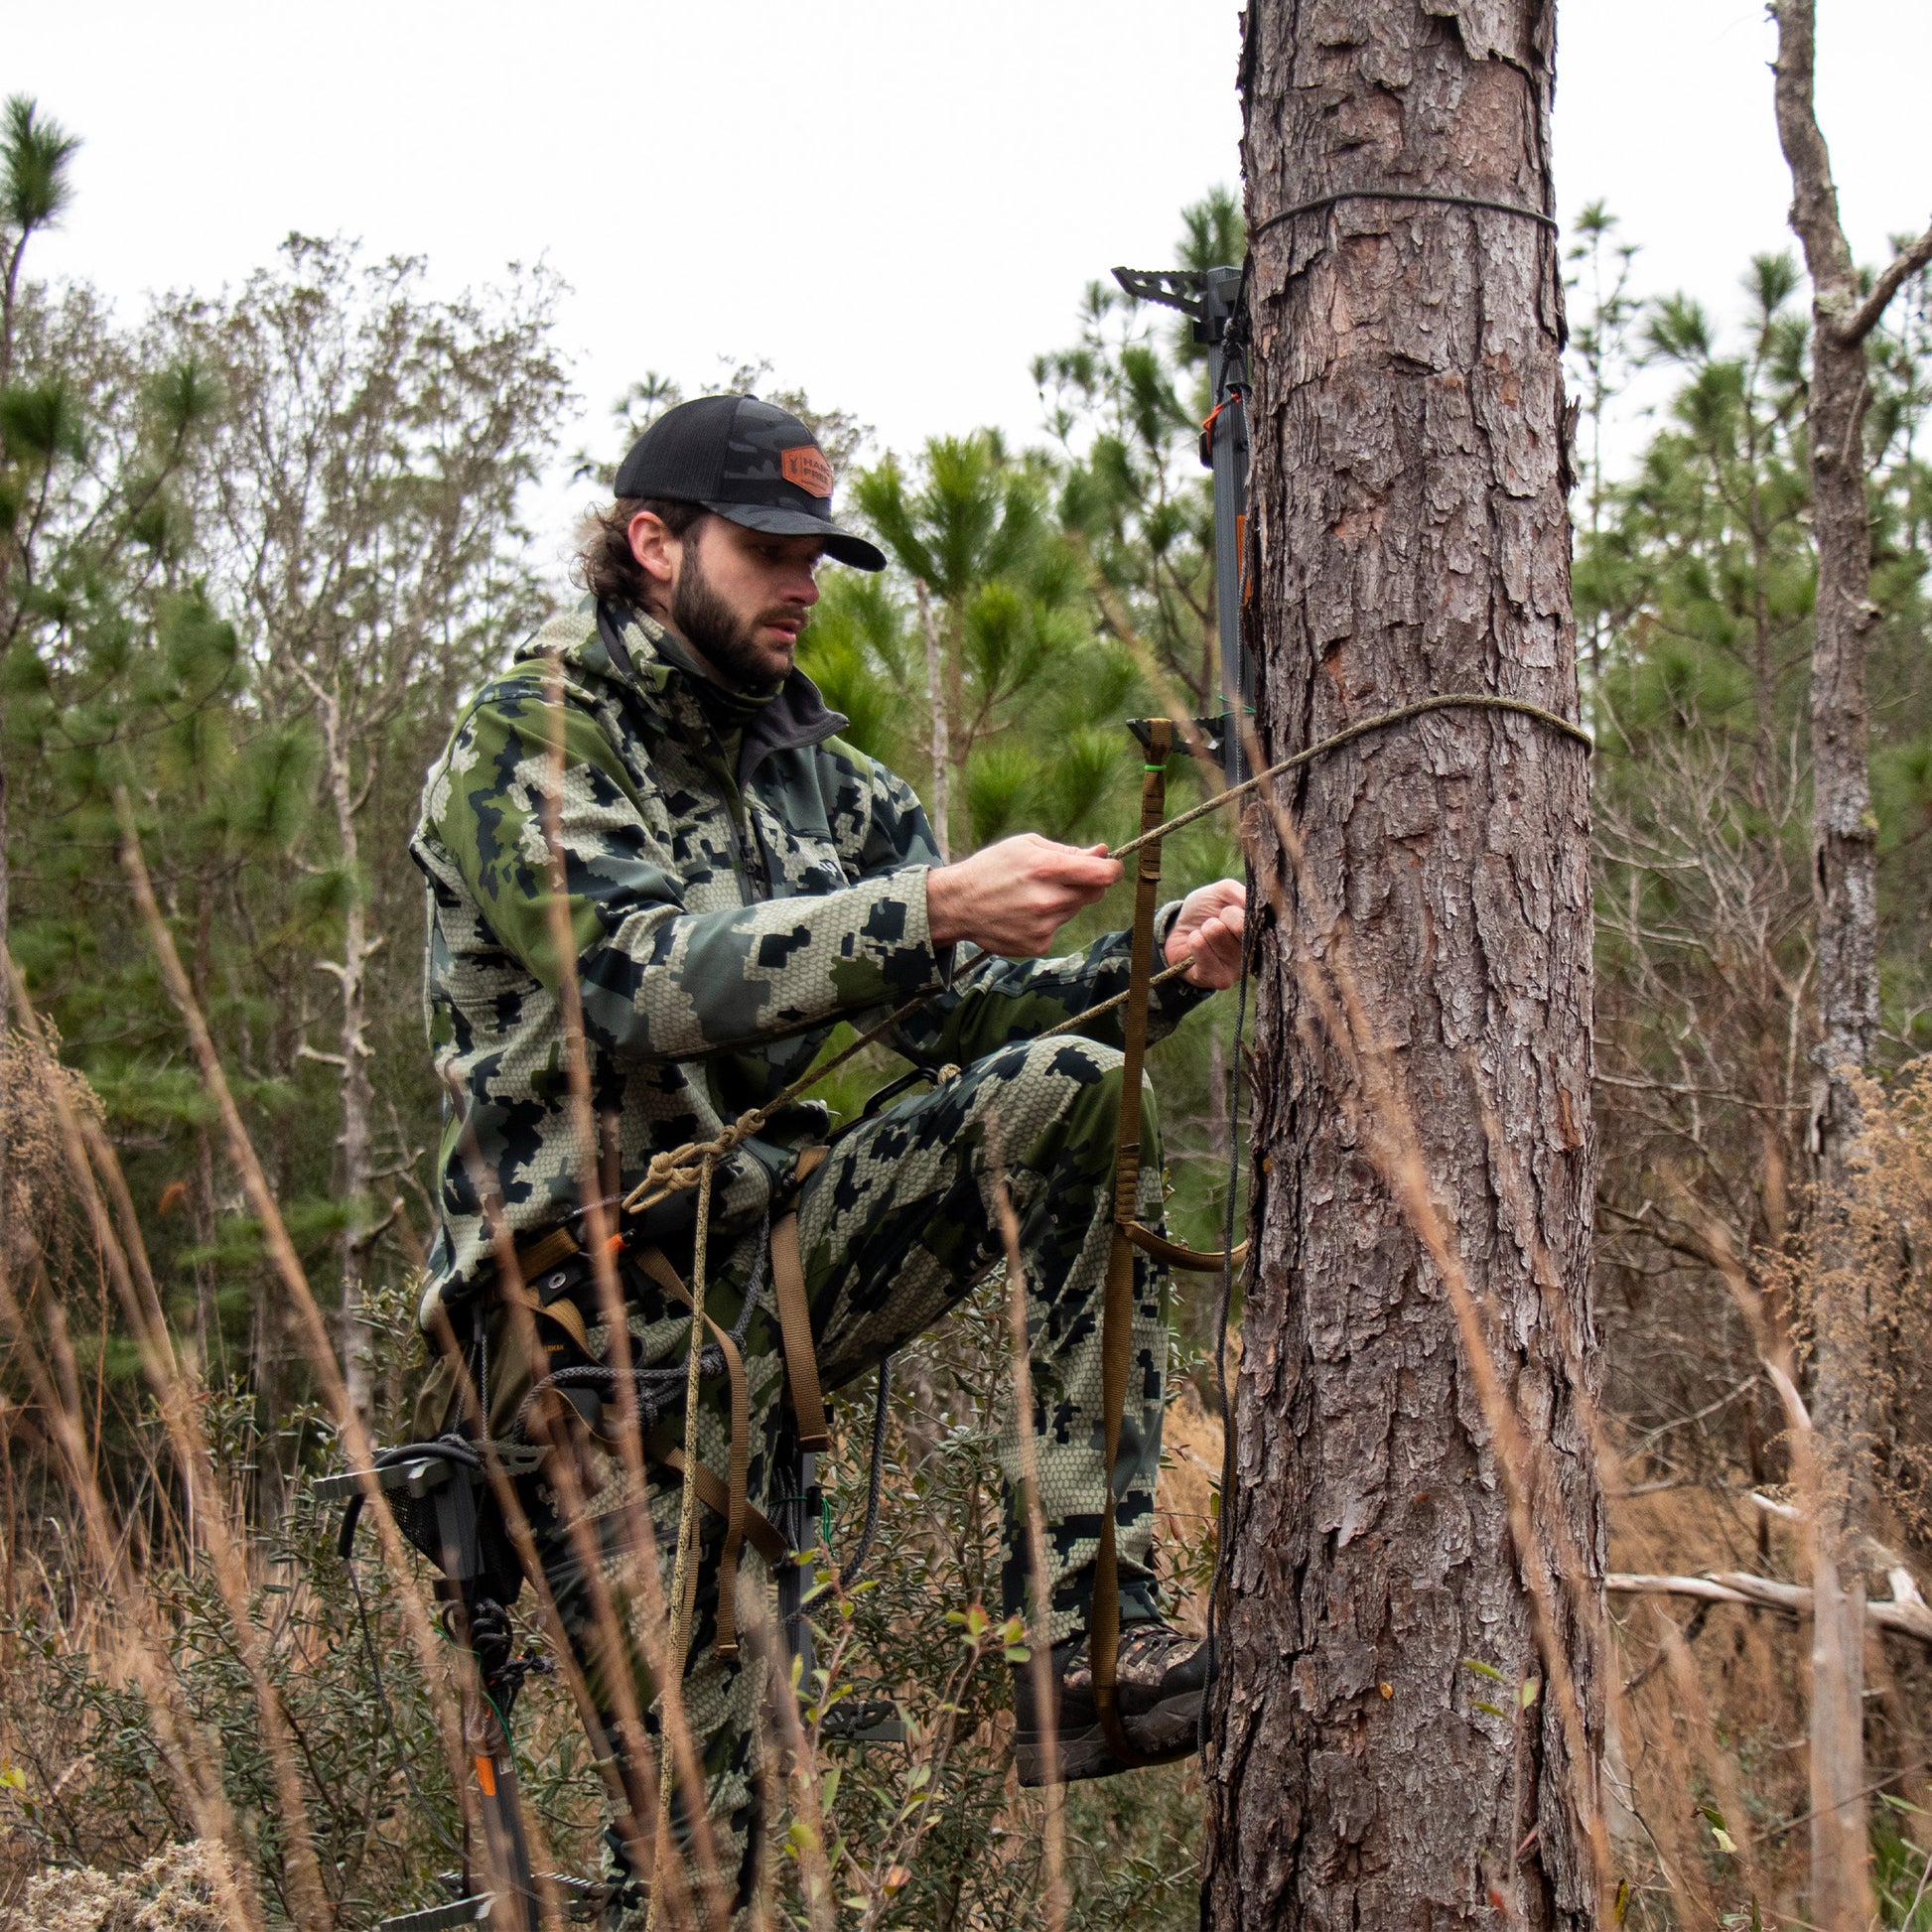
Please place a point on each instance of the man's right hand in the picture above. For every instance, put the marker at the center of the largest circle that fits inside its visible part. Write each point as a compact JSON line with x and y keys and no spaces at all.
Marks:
{"x":1012,"y":898}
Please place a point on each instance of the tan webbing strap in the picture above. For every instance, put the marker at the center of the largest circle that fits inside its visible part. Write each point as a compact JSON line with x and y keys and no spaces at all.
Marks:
{"x":795,"y":1320}
{"x":565,"y":1314}
{"x":1195,"y":1261}
{"x":1116,"y":1303}
{"x":736,"y":1507}
{"x":546,"y":1251}
{"x":760,"y":1530}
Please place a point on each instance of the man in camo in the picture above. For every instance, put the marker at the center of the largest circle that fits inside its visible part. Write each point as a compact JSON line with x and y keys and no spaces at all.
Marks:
{"x":740,"y":880}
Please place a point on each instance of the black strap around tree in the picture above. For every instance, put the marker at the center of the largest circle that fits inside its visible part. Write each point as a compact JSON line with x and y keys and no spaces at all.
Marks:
{"x":1322,"y":201}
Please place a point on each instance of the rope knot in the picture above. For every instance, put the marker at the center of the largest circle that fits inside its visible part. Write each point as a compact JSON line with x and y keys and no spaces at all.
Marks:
{"x":681,"y":1169}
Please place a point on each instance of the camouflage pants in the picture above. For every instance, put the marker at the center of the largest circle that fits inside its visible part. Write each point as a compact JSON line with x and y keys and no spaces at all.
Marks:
{"x":894,"y":1227}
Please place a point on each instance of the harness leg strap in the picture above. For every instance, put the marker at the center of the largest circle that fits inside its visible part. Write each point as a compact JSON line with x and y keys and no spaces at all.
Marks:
{"x":795,"y":1320}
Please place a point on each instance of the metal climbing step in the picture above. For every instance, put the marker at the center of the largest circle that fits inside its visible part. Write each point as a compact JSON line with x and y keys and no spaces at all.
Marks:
{"x":581,"y":1898}
{"x":435,"y":1918}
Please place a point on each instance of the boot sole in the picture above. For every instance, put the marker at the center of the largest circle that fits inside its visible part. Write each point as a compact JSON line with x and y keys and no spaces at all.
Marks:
{"x":1085,"y":1753}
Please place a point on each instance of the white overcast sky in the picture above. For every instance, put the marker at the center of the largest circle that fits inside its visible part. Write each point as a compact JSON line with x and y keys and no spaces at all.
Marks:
{"x":895,"y":202}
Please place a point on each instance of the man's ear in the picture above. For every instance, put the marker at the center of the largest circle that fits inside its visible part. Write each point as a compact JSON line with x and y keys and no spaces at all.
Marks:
{"x":658,"y":551}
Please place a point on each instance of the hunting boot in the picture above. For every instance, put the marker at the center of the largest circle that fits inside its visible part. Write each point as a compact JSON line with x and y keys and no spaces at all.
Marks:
{"x":1160,"y":1683}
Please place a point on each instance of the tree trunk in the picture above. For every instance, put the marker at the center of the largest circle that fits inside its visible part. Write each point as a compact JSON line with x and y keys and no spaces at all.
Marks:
{"x":1408,"y":487}
{"x":207,"y":1317}
{"x":938,"y":736}
{"x":1845,"y":889}
{"x":358,"y":1097}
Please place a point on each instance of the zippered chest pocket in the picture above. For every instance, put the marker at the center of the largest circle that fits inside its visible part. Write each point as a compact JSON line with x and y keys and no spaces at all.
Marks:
{"x":801,"y":861}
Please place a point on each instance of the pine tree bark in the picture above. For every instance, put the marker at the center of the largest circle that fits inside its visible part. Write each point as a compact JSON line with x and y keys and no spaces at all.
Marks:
{"x":1409,"y":483}
{"x":1845,"y":889}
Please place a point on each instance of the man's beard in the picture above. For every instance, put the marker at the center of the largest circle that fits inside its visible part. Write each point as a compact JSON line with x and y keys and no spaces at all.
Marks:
{"x":727,"y":643}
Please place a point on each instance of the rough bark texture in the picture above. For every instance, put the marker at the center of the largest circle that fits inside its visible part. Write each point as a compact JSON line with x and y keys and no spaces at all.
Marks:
{"x":1409,"y":483}
{"x":1845,"y":888}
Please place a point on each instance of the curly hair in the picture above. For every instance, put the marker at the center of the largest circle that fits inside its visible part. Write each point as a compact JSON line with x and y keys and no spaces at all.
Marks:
{"x":604,"y":566}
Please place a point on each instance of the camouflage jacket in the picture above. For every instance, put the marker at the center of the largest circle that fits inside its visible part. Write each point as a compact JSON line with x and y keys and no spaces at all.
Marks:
{"x":725,"y":919}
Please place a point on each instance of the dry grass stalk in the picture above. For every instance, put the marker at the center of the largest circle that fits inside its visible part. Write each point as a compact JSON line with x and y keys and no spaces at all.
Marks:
{"x":1387,"y":1123}
{"x":192,"y":1759}
{"x":312,"y":1329}
{"x":177,"y":1391}
{"x":1040,"y":1663}
{"x":665,"y":1663}
{"x":627,"y":1776}
{"x":799,"y":1748}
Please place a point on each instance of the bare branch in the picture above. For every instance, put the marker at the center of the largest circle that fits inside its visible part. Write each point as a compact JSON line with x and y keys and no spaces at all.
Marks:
{"x":1865,"y":317}
{"x":1905,"y":1617}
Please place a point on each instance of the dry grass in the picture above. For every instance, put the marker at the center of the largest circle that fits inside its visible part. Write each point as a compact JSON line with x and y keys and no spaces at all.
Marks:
{"x":153,"y":1698}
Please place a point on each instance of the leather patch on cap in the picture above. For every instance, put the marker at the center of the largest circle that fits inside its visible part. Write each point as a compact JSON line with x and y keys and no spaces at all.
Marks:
{"x":805,"y":469}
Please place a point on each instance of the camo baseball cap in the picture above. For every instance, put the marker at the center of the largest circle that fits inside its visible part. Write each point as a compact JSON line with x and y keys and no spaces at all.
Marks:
{"x":746,"y":460}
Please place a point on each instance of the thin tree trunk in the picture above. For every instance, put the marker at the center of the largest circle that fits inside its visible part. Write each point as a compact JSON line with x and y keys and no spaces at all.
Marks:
{"x":958,"y":741}
{"x":1409,"y":483}
{"x":6,"y":1003}
{"x":939,"y":736}
{"x":207,"y":1316}
{"x":358,"y":1097}
{"x":1845,"y":888}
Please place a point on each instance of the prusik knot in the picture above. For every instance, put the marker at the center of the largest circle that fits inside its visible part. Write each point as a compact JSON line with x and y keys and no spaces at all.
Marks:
{"x":681,"y":1169}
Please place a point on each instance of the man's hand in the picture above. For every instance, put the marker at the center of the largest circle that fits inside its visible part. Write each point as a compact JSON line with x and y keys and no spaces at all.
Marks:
{"x":1209,"y":927}
{"x":1012,"y":898}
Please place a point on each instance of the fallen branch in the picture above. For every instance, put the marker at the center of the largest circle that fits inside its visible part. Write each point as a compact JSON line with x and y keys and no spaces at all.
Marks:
{"x":1906,"y":1612}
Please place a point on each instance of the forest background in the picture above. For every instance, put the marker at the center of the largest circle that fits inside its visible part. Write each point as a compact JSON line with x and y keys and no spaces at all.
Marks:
{"x":255,"y":547}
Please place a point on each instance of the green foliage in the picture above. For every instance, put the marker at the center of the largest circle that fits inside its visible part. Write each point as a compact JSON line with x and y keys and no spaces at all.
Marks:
{"x":987,"y":596}
{"x":34,"y":155}
{"x":251,"y":555}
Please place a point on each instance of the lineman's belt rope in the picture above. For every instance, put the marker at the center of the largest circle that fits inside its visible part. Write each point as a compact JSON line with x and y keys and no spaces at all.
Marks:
{"x":676,"y":1170}
{"x":685,"y":1167}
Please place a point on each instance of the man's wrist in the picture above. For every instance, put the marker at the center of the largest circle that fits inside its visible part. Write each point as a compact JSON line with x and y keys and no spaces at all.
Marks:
{"x":942,"y":911}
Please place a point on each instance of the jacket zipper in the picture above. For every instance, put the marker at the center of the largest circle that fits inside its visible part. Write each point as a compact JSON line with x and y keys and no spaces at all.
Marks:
{"x":741,"y":863}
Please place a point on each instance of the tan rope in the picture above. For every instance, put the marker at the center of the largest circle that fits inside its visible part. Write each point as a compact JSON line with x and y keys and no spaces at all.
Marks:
{"x":681,"y":1168}
{"x":684,"y":1573}
{"x":1118,"y":1000}
{"x":1447,"y":701}
{"x":673,"y":1171}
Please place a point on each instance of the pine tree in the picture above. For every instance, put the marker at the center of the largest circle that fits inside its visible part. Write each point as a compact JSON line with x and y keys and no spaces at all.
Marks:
{"x":1409,"y":1707}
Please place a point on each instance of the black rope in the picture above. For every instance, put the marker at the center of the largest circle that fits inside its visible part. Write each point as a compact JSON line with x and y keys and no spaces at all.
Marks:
{"x":875,"y":1479}
{"x":1322,"y":201}
{"x":389,"y":1715}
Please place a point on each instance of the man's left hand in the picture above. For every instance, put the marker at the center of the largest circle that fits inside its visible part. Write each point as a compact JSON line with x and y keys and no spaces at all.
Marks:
{"x":1208,"y":927}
